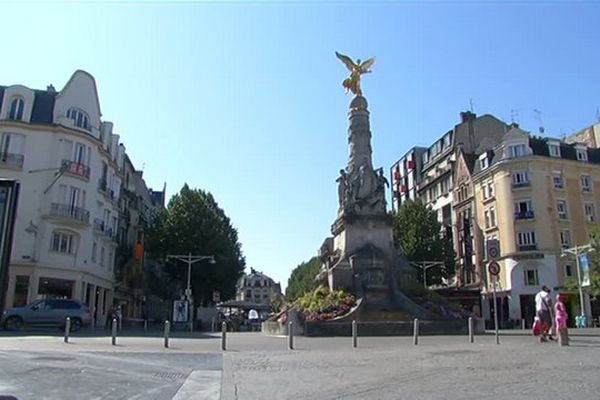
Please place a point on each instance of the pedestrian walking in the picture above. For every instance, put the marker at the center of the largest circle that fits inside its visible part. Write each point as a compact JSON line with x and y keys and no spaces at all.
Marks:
{"x":560,"y":320}
{"x":543,"y":307}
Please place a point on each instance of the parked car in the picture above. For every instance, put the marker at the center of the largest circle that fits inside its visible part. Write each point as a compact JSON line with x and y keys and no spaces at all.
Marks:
{"x":47,"y":313}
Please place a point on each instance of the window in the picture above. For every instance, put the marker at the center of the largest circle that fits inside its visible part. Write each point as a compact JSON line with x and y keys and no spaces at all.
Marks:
{"x":425,"y":158}
{"x":447,"y":140}
{"x":518,"y":150}
{"x":248,"y":294}
{"x":531,"y":277}
{"x":582,"y":154}
{"x":102,"y":256}
{"x":568,"y":270}
{"x":488,"y":190}
{"x":565,"y":238}
{"x":21,"y":290}
{"x":590,"y":211}
{"x":490,"y":217}
{"x":561,"y":209}
{"x":520,"y":178}
{"x":554,"y":150}
{"x":15,"y":112}
{"x":586,"y":183}
{"x":558,"y":181}
{"x":526,"y":238}
{"x":484,"y":161}
{"x":523,"y":209}
{"x":94,"y":251}
{"x":62,"y":242}
{"x":80,"y":118}
{"x":110,"y":260}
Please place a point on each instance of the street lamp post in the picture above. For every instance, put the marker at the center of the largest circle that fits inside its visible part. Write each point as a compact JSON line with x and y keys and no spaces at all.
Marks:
{"x":190,"y":259}
{"x":577,"y":251}
{"x":425,"y":265}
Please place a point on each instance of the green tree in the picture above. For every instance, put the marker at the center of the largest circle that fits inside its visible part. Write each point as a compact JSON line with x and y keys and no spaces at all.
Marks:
{"x":302,"y":279}
{"x":419,"y":234}
{"x":193,"y":223}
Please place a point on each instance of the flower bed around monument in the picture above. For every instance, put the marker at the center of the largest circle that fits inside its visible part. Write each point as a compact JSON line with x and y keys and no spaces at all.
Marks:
{"x":323,"y":304}
{"x":438,"y":305}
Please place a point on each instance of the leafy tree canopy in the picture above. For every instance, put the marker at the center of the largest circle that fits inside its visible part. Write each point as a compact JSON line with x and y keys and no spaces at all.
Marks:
{"x":302,"y":279}
{"x":193,"y":223}
{"x":418,"y":233}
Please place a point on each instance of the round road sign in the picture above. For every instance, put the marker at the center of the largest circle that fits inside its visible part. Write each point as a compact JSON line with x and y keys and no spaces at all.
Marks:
{"x":493,"y":252}
{"x":494,"y":268}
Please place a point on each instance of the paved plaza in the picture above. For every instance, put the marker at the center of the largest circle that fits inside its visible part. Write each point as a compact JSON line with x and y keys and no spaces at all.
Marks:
{"x":255,"y":366}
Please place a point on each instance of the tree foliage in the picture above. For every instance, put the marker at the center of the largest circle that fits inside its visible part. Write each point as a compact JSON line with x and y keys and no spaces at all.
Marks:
{"x":418,"y":233}
{"x":302,"y":279}
{"x":194,"y":223}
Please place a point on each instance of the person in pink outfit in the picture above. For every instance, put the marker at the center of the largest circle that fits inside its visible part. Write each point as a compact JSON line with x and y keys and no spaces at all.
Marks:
{"x":560,"y":320}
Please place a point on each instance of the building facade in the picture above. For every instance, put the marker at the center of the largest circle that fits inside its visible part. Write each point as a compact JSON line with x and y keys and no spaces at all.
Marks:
{"x":70,"y":166}
{"x":258,"y":288}
{"x":537,"y":196}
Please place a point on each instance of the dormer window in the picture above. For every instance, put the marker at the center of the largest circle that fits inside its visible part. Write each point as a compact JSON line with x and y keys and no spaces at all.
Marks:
{"x":484,"y":161}
{"x":80,"y":118}
{"x":517,"y":150}
{"x":581,"y":153}
{"x":15,"y":112}
{"x":554,"y":150}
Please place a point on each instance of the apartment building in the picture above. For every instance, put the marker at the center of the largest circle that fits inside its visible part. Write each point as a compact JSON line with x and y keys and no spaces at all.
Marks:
{"x":536,"y":196}
{"x":258,"y":288}
{"x":70,"y":166}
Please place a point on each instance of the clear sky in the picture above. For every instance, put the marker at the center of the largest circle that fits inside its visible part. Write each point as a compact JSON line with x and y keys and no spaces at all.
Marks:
{"x":244,"y":100}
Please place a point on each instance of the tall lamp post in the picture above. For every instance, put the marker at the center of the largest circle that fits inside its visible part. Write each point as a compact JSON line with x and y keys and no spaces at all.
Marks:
{"x":425,"y":265}
{"x":190,"y":259}
{"x":578,"y":251}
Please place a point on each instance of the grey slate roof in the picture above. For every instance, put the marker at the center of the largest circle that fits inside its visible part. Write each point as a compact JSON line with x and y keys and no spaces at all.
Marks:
{"x":43,"y":107}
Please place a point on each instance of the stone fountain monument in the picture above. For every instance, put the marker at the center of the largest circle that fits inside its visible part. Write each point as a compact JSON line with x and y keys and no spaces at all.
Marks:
{"x":360,"y":256}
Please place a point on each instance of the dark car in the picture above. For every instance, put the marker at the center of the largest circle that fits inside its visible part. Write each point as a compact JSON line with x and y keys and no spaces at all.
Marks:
{"x":47,"y":313}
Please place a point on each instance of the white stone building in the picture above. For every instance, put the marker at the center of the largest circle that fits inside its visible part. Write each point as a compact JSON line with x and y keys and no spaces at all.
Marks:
{"x":70,"y":167}
{"x":258,"y":288}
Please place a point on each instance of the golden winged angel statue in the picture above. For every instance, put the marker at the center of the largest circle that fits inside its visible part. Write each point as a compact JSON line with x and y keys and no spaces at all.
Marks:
{"x":352,"y":83}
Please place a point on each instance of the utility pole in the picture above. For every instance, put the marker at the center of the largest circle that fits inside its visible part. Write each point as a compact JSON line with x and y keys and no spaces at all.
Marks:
{"x":190,"y":259}
{"x":425,"y":265}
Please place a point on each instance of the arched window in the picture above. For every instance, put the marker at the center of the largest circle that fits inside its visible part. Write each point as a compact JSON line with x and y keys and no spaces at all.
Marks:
{"x":15,"y":111}
{"x":80,"y":118}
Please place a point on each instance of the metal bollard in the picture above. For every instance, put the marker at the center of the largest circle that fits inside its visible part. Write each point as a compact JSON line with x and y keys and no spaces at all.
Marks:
{"x":471,"y":338}
{"x":212,"y":325}
{"x":67,"y":329}
{"x":354,"y":334}
{"x":145,"y":325}
{"x":523,"y":324}
{"x":167,"y":333}
{"x":416,"y":331}
{"x":291,"y":335}
{"x":223,"y":336}
{"x":114,"y":331}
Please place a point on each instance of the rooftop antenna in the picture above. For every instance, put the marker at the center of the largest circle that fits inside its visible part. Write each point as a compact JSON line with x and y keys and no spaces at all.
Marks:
{"x":538,"y":117}
{"x":598,"y":114}
{"x":514,"y":115}
{"x":471,"y":104}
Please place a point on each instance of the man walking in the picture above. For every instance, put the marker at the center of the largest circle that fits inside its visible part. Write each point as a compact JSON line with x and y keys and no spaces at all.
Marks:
{"x":543,"y":305}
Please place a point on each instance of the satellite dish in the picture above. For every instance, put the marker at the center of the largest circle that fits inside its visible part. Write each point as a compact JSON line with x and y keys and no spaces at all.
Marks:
{"x":541,"y":129}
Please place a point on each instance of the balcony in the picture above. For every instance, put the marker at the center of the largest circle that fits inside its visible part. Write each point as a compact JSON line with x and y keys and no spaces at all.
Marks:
{"x":527,"y":247}
{"x":70,"y":212}
{"x":11,"y":160}
{"x":524,"y":214}
{"x":98,"y":225}
{"x":76,"y":169}
{"x":516,"y":185}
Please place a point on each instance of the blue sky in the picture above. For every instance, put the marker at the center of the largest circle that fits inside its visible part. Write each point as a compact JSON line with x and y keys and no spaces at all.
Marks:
{"x":244,"y":100}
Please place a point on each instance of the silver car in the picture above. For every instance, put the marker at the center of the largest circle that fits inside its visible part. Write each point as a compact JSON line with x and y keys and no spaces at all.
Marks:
{"x":47,"y":313}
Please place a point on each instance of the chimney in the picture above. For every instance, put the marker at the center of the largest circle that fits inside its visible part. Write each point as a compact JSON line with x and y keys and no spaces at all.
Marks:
{"x":466,"y":116}
{"x":514,"y":125}
{"x":50,"y":89}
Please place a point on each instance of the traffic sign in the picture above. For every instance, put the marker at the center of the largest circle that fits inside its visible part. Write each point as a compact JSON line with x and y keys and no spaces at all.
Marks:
{"x":493,"y":249}
{"x":494,"y":268}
